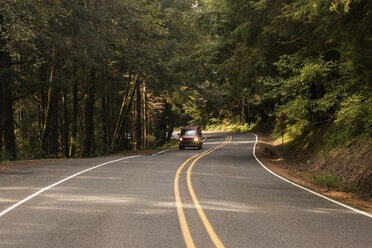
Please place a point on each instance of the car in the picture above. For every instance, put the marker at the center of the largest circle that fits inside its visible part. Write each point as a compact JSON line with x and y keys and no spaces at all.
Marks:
{"x":190,"y":137}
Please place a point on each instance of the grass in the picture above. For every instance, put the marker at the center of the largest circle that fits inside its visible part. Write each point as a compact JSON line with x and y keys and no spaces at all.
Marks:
{"x":328,"y":181}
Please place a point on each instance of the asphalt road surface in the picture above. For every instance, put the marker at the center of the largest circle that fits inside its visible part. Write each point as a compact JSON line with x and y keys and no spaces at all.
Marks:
{"x":221,"y":197}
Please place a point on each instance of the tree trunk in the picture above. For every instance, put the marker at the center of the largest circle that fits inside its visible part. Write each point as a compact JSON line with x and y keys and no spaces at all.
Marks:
{"x":133,"y":129}
{"x":75,"y":102}
{"x":8,"y":119}
{"x":7,"y":106}
{"x":50,"y":131}
{"x":89,"y":114}
{"x":1,"y":118}
{"x":169,"y":116}
{"x":124,"y":111}
{"x":161,"y":133}
{"x":6,"y":112}
{"x":89,"y":125}
{"x":66,"y":126}
{"x":127,"y":111}
{"x":104,"y":122}
{"x":105,"y":116}
{"x":119,"y":121}
{"x":139,"y":118}
{"x":144,"y":109}
{"x":53,"y":123}
{"x":108,"y":119}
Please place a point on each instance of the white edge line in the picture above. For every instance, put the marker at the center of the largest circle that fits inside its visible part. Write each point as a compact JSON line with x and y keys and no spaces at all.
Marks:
{"x":304,"y":188}
{"x":161,"y":152}
{"x":57,"y":183}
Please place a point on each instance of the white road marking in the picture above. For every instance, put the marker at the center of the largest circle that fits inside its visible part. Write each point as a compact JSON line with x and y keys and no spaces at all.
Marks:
{"x":301,"y":187}
{"x":161,"y":152}
{"x":59,"y":182}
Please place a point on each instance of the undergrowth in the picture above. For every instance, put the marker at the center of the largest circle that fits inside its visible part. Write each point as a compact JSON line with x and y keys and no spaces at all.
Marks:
{"x":336,"y":158}
{"x":327,"y":181}
{"x":229,"y":127}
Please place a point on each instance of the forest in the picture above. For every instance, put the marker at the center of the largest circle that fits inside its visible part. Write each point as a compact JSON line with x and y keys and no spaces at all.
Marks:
{"x":83,"y":78}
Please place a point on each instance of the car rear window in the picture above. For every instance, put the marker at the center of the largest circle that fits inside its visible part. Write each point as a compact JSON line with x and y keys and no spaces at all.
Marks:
{"x":188,"y":132}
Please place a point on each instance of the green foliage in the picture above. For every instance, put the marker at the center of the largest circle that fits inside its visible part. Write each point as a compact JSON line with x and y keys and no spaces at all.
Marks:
{"x":328,"y":181}
{"x":229,"y":127}
{"x":223,"y":64}
{"x":85,"y":56}
{"x":354,"y":116}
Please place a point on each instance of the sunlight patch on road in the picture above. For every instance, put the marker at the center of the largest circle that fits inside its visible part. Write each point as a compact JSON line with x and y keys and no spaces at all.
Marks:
{"x":219,"y":175}
{"x":19,"y":188}
{"x":7,"y":200}
{"x":91,"y":199}
{"x":227,"y":206}
{"x":222,"y":166}
{"x":328,"y":211}
{"x":68,"y":209}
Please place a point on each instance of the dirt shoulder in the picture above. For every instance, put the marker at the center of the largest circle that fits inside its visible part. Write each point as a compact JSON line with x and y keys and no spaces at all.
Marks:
{"x":20,"y":164}
{"x":297,"y":171}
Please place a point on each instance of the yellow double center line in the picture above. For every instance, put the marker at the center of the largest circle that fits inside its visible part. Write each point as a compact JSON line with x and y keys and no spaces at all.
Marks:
{"x":181,"y":215}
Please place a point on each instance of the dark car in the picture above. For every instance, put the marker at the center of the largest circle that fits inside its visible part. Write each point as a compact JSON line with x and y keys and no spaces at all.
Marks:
{"x":190,"y":137}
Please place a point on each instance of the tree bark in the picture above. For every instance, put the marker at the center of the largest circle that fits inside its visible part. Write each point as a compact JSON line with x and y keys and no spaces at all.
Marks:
{"x":66,"y":126}
{"x":133,"y":129}
{"x":75,"y":102}
{"x":109,"y":121}
{"x":7,"y":111}
{"x":1,"y":118}
{"x":89,"y":118}
{"x":7,"y":117}
{"x":104,"y":122}
{"x":53,"y":123}
{"x":50,"y":131}
{"x":119,"y":120}
{"x":127,"y":111}
{"x":124,"y":111}
{"x":144,"y":109}
{"x":170,"y":121}
{"x":139,"y":118}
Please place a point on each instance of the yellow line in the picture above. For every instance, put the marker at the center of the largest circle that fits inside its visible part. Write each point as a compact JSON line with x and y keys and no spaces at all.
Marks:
{"x":212,"y":234}
{"x":181,"y":215}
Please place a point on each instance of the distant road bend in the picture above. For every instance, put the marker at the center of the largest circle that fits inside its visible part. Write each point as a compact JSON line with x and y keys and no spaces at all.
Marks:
{"x":216,"y":197}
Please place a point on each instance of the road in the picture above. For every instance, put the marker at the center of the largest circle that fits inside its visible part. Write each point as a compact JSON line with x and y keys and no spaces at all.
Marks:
{"x":220,"y":198}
